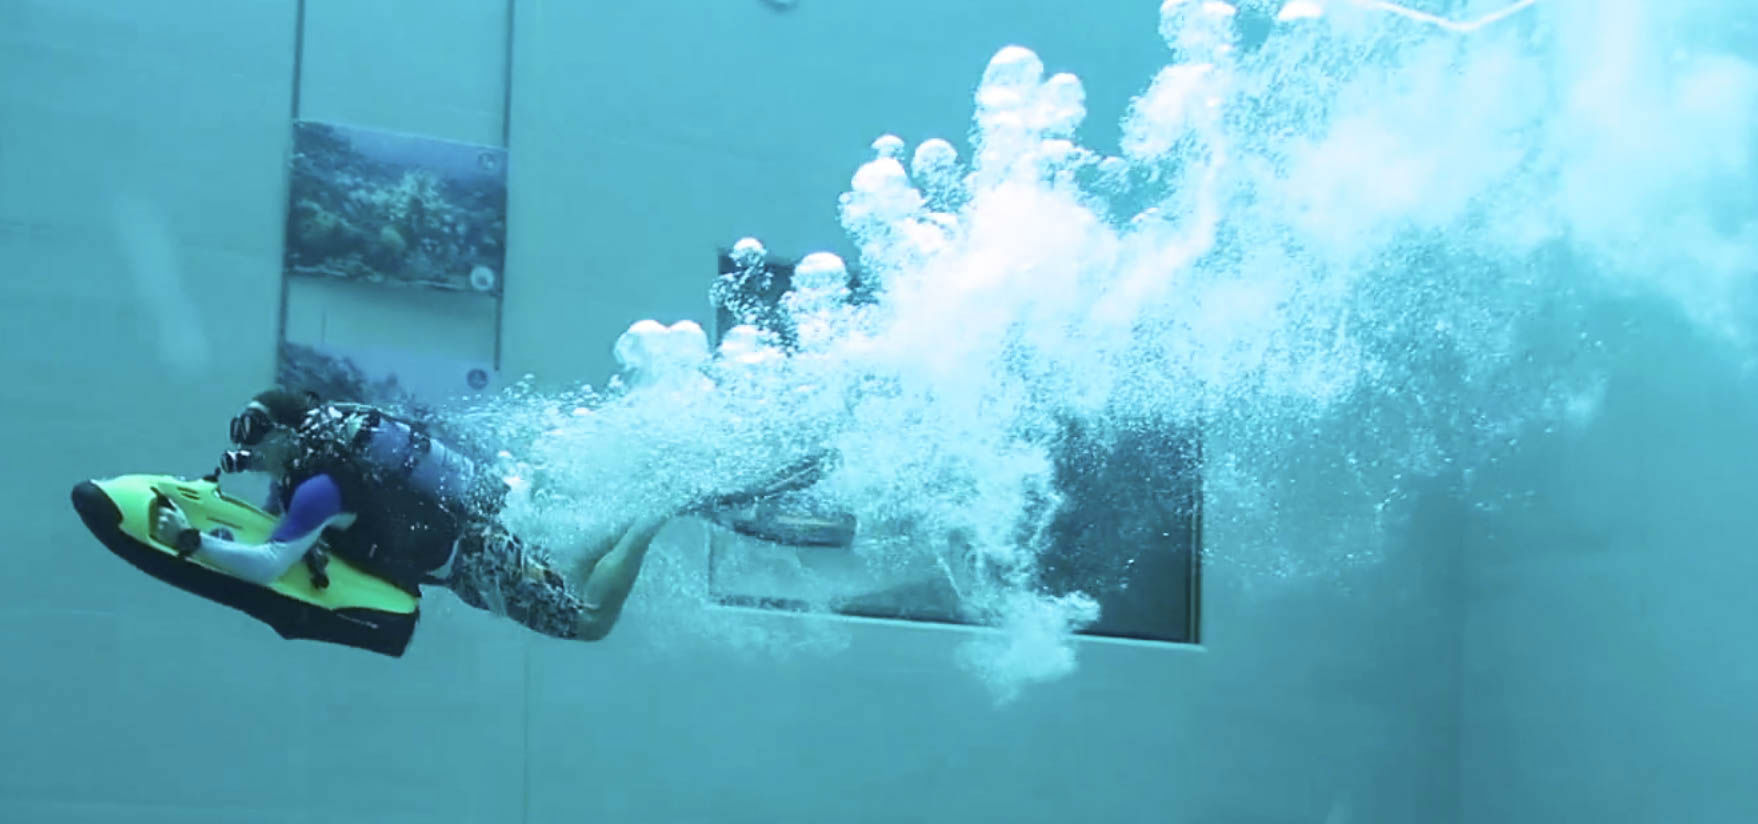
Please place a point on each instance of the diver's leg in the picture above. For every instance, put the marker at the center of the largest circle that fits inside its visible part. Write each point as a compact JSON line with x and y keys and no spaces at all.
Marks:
{"x":494,"y":571}
{"x":589,"y":554}
{"x":606,"y":581}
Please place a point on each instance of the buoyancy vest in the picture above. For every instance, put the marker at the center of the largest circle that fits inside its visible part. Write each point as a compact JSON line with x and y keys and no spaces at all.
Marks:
{"x":412,"y":495}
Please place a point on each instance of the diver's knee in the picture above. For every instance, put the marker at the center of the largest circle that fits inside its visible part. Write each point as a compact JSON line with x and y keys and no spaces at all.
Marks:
{"x":593,"y":625}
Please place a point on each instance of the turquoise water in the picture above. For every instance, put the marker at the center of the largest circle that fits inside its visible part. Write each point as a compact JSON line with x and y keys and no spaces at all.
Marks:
{"x":1459,"y":296}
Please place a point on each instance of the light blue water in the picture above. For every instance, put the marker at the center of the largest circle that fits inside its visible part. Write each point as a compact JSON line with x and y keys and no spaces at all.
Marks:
{"x":1461,"y":298}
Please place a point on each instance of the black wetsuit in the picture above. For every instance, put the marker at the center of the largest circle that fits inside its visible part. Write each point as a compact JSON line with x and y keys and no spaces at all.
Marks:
{"x":417,"y":524}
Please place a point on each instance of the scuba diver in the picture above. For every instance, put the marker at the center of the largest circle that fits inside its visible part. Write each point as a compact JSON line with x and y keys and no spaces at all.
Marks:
{"x":389,"y":498}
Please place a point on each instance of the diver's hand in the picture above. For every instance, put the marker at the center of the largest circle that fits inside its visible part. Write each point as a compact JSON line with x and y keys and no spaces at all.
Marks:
{"x":168,"y":525}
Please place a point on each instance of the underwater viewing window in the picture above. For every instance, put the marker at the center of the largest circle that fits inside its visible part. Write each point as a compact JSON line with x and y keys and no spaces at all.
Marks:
{"x":1127,"y":532}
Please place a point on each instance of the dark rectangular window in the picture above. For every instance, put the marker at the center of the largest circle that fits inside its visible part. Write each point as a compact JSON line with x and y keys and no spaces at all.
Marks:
{"x":1127,"y":533}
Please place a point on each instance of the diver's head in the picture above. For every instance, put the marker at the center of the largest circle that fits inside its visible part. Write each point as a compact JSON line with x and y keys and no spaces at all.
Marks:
{"x":263,"y":431}
{"x":271,"y":410}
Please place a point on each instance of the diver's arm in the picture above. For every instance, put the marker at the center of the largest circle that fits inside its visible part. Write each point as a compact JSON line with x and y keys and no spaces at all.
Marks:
{"x":316,"y":505}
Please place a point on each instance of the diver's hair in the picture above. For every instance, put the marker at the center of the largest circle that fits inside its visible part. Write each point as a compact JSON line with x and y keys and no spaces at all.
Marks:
{"x":286,"y":406}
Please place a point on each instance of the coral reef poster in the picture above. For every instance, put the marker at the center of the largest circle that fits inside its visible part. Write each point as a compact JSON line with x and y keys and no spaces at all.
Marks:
{"x":396,"y":209}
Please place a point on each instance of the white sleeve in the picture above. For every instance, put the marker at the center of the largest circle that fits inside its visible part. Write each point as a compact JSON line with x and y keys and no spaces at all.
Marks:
{"x":256,"y":563}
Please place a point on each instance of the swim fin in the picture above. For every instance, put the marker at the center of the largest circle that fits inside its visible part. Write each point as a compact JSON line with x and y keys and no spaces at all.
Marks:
{"x":768,"y":511}
{"x":776,"y":522}
{"x":795,"y":476}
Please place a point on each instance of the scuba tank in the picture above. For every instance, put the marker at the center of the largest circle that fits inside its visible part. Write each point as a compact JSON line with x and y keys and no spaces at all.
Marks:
{"x":397,"y":448}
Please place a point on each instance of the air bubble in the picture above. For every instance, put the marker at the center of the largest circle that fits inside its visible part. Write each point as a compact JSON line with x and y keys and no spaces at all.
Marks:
{"x":888,"y":146}
{"x":1300,"y":10}
{"x":748,"y":253}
